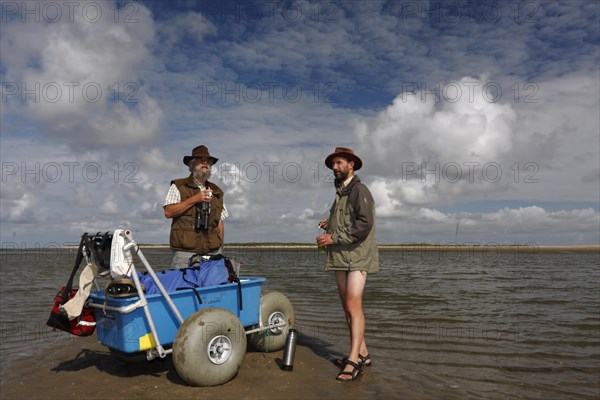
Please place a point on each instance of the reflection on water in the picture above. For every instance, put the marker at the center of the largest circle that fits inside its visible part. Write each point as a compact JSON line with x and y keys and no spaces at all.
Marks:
{"x":474,"y":325}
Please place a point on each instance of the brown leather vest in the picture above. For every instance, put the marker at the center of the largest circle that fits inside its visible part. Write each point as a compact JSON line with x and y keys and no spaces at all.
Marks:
{"x":183,"y":234}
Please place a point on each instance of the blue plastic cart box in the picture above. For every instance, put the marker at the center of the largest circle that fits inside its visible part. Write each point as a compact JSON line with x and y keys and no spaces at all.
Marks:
{"x":129,"y":332}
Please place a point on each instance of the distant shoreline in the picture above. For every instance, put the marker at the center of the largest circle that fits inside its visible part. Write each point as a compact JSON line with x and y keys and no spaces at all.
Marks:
{"x":529,"y":248}
{"x":520,"y":248}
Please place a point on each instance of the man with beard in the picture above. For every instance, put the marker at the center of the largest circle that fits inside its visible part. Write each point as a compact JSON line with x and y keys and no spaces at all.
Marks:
{"x":351,"y":252}
{"x":193,"y":197}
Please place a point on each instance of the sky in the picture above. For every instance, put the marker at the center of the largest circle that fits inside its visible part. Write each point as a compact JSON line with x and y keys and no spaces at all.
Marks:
{"x":477,"y":122}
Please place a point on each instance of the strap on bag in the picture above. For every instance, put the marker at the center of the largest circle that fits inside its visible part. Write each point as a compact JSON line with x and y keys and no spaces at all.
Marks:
{"x":78,"y":259}
{"x":234,"y":278}
{"x":194,"y":285}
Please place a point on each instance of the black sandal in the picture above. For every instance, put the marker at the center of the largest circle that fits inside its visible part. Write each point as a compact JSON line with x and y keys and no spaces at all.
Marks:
{"x":354,"y":374}
{"x":362,"y":361}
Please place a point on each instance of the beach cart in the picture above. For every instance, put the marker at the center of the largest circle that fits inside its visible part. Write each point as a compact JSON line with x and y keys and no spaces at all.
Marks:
{"x":206,"y":329}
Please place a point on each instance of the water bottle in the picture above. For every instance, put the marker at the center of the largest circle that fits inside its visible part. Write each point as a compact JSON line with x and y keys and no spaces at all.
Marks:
{"x":289,"y":350}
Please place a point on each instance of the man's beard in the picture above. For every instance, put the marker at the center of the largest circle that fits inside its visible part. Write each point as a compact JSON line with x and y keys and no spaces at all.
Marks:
{"x":201,"y":175}
{"x":341,"y":175}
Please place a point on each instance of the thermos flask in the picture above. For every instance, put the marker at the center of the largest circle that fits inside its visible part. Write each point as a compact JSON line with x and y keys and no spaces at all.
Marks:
{"x":289,"y":350}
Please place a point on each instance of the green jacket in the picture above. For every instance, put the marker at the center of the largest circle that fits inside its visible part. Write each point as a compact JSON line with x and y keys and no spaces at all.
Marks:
{"x":352,"y":224}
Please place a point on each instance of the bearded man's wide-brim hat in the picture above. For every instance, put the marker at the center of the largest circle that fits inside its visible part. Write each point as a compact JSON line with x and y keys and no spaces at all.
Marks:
{"x":346,"y":153}
{"x":200,"y":151}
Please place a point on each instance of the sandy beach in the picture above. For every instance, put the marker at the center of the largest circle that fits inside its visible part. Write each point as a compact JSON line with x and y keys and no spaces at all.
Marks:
{"x":82,"y":368}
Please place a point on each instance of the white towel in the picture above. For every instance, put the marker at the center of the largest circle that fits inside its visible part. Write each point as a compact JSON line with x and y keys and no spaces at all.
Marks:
{"x":120,"y":261}
{"x":74,"y":306}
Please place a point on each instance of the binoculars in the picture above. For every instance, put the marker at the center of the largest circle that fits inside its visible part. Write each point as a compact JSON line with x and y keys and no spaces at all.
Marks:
{"x":202,"y":214}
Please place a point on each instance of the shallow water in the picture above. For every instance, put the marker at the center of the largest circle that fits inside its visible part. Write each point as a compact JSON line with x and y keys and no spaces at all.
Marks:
{"x":439,"y":324}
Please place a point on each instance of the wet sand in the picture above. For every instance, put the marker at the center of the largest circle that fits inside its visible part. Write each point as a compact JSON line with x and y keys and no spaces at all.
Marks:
{"x":82,"y":368}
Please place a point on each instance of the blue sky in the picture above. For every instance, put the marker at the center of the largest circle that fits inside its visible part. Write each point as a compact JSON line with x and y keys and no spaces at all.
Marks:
{"x":483,"y":115}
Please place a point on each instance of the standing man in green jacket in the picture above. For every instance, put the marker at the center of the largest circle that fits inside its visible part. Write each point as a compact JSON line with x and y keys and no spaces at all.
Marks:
{"x":351,"y":252}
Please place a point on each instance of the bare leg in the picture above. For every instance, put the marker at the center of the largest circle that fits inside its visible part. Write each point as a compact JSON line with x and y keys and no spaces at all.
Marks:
{"x":351,"y":286}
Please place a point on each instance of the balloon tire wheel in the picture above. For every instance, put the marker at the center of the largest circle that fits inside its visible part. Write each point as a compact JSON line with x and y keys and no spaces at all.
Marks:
{"x":274,"y":308}
{"x":209,"y":347}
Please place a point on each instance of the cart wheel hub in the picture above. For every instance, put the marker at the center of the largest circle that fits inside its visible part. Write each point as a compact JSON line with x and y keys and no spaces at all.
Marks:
{"x":219,"y":349}
{"x":274,"y":319}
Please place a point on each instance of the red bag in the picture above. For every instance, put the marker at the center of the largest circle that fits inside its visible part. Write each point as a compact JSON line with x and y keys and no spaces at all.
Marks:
{"x":84,"y":325}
